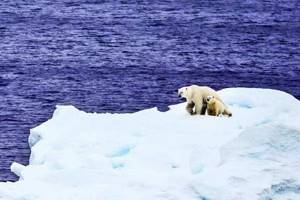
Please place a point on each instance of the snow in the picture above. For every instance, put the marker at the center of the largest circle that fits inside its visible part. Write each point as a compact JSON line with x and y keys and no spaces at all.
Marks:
{"x":152,"y":155}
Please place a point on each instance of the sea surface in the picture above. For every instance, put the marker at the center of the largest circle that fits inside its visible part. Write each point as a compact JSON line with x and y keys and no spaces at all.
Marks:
{"x":125,"y":56}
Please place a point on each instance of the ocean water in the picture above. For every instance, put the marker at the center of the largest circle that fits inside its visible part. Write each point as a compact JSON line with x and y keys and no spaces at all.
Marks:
{"x":124,"y":56}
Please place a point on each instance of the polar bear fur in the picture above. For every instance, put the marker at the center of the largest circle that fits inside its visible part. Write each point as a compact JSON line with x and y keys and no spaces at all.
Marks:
{"x":196,"y":98}
{"x":216,"y":107}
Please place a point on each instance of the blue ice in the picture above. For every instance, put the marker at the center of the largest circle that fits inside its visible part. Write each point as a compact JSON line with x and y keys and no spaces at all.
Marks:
{"x":117,"y":165}
{"x":122,"y":151}
{"x":241,"y":104}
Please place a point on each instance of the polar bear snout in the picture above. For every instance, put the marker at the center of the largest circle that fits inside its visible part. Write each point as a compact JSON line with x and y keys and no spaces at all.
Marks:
{"x":179,"y":94}
{"x":182,"y":92}
{"x":208,"y":98}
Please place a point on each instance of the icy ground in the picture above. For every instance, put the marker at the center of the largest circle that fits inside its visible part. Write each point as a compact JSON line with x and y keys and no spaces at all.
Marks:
{"x":152,"y":155}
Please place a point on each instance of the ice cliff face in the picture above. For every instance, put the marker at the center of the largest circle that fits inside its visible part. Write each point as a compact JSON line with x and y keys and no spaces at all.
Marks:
{"x":167,"y":155}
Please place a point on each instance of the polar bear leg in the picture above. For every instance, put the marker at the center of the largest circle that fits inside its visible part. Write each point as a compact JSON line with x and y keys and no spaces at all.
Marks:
{"x":211,"y":112}
{"x":204,"y":108}
{"x":190,"y":107}
{"x":200,"y":109}
{"x":227,"y":112}
{"x":219,"y":113}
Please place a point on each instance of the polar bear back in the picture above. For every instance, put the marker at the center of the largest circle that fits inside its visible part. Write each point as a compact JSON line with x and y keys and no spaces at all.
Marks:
{"x":201,"y":92}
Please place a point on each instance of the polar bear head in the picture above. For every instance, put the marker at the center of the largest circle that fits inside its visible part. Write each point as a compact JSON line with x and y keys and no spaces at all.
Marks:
{"x":184,"y":92}
{"x":209,"y":99}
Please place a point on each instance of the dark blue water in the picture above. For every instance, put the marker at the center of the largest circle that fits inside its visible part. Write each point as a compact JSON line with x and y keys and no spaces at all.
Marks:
{"x":124,"y":56}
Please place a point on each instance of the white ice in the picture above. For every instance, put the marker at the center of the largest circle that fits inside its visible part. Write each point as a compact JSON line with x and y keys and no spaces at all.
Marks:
{"x":152,"y":155}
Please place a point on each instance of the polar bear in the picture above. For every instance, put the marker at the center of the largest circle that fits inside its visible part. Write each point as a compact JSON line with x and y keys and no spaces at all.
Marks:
{"x":216,"y":108}
{"x":196,"y":97}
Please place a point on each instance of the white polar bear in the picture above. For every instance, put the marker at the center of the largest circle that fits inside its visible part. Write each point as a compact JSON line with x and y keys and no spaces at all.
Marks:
{"x":196,"y":97}
{"x":216,"y":107}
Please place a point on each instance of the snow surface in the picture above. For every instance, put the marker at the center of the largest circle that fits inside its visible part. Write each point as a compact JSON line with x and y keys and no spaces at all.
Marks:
{"x":152,"y":155}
